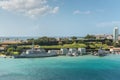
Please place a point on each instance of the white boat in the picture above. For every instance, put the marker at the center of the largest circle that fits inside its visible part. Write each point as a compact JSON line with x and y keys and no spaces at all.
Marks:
{"x":35,"y":53}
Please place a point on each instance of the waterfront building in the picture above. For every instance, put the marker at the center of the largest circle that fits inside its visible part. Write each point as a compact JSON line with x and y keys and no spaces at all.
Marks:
{"x":113,"y":50}
{"x":72,"y":50}
{"x":64,"y":51}
{"x":115,"y":34}
{"x":109,"y":37}
{"x":82,"y":51}
{"x":100,"y":36}
{"x":104,"y":36}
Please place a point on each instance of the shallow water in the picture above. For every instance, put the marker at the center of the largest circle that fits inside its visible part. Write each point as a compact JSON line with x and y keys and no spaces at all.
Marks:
{"x":61,"y":68}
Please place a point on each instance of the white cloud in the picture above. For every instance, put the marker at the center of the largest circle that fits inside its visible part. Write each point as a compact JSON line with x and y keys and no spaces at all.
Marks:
{"x":81,"y":12}
{"x":55,"y":10}
{"x":108,"y":24}
{"x":29,"y":7}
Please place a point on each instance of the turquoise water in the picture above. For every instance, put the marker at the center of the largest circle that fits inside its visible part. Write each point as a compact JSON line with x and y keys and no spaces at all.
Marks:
{"x":61,"y":68}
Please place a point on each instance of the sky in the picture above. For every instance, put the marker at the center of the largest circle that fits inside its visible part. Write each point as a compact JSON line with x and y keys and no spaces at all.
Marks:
{"x":58,"y":17}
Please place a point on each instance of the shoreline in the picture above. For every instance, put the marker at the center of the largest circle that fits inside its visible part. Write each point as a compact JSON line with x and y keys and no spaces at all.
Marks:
{"x":57,"y":56}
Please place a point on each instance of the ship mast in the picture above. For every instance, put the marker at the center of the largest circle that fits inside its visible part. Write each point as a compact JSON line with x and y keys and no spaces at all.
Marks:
{"x":33,"y":45}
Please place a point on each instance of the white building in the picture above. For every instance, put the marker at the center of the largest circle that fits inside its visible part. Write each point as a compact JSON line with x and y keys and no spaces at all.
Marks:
{"x":63,"y":51}
{"x":72,"y":50}
{"x":82,"y":51}
{"x":115,"y":34}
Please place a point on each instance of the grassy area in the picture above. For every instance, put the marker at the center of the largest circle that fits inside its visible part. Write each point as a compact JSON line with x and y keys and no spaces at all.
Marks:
{"x":74,"y":45}
{"x":58,"y":46}
{"x":65,"y":46}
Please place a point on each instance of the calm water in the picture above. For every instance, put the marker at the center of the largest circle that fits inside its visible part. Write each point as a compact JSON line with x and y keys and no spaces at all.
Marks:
{"x":61,"y":68}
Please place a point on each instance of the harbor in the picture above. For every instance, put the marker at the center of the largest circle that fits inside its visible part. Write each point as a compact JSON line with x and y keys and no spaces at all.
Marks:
{"x":73,"y":52}
{"x":59,"y":39}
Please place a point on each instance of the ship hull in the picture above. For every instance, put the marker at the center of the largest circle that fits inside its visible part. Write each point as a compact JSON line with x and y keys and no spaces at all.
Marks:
{"x":34,"y":56}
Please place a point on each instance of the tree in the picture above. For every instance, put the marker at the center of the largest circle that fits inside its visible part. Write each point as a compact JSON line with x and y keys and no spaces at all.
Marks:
{"x":60,"y":43}
{"x":108,"y":42}
{"x":46,"y":41}
{"x":90,"y":36}
{"x":10,"y":50}
{"x":66,"y":40}
{"x":19,"y":49}
{"x":30,"y":41}
{"x":81,"y":41}
{"x":74,"y":38}
{"x":116,"y":44}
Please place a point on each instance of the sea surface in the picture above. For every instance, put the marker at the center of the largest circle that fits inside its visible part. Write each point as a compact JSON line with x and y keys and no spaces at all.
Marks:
{"x":61,"y":68}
